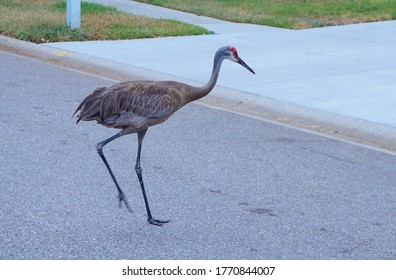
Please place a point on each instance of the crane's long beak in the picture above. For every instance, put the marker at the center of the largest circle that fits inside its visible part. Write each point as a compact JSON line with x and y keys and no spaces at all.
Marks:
{"x":241,"y":62}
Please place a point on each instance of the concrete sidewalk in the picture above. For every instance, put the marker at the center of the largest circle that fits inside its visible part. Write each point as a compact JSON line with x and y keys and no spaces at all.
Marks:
{"x":344,"y":74}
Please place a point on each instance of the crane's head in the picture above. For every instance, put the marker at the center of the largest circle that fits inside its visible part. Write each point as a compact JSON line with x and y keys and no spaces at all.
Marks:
{"x":231,"y":53}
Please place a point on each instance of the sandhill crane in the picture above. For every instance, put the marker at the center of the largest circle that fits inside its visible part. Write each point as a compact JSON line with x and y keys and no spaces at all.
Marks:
{"x":136,"y":105}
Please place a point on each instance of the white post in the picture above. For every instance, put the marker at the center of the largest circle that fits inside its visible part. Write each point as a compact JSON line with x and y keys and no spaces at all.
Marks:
{"x":73,"y":13}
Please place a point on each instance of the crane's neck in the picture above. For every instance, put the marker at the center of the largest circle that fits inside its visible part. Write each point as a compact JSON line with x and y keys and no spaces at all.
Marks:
{"x":199,"y":92}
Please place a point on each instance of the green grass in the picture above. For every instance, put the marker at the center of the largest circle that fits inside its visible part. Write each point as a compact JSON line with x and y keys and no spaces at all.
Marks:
{"x":42,"y":21}
{"x":87,"y":8}
{"x":292,"y":14}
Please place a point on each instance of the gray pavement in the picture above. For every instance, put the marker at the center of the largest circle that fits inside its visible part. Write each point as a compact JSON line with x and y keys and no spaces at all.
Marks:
{"x":346,"y":71}
{"x":235,"y":187}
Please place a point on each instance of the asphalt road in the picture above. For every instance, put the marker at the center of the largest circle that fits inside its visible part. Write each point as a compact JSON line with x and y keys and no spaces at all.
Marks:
{"x":234,"y":187}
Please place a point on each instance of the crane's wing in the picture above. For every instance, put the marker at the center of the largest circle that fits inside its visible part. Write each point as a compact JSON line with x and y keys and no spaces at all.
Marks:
{"x":138,"y":103}
{"x":131,"y":104}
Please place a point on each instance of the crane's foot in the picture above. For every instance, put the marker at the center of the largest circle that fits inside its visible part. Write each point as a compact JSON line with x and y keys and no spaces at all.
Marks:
{"x":121,"y":198}
{"x":156,"y":222}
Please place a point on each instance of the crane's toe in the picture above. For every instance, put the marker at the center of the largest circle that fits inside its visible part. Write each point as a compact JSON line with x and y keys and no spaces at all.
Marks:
{"x":121,"y":198}
{"x":157,"y":222}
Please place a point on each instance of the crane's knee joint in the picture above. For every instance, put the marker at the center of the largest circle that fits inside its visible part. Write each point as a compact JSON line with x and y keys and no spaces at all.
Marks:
{"x":99,"y":147}
{"x":138,"y":170}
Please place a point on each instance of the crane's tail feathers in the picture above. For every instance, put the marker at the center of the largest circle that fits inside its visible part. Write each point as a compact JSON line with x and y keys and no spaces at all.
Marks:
{"x":78,"y":116}
{"x":91,"y":106}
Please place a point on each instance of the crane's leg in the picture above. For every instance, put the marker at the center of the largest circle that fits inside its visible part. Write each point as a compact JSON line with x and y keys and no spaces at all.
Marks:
{"x":99,"y":148}
{"x":138,"y":170}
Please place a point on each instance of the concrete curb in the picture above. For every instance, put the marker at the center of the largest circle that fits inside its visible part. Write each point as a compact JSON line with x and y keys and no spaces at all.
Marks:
{"x":363,"y":132}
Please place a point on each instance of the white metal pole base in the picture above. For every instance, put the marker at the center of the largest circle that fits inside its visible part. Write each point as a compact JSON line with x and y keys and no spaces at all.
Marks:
{"x":73,"y":13}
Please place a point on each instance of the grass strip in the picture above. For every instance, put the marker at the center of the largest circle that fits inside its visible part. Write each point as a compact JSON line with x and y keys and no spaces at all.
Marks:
{"x":292,"y":14}
{"x":43,"y":21}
